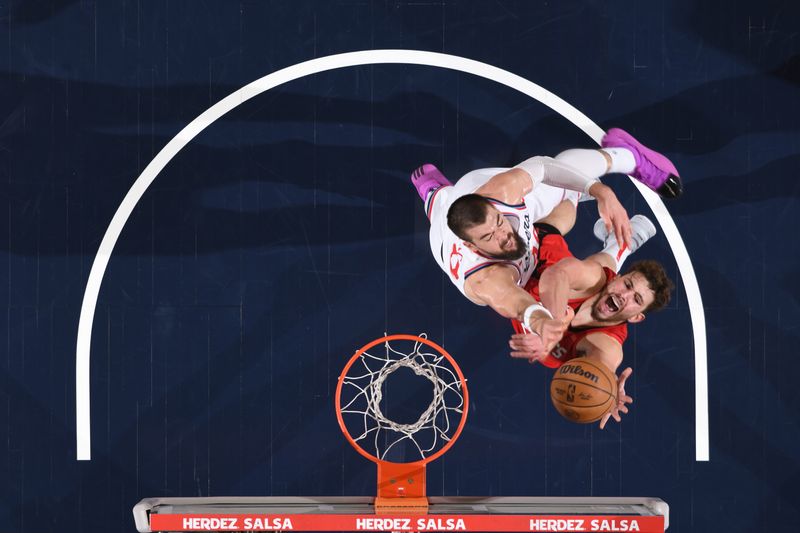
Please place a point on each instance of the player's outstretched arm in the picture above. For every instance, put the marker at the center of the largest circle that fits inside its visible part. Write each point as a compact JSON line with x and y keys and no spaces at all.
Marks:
{"x":604,"y":260}
{"x":604,"y":349}
{"x":496,"y":286}
{"x":569,"y":278}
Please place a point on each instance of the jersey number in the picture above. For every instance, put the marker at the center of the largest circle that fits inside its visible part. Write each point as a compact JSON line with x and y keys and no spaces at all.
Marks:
{"x":558,"y":351}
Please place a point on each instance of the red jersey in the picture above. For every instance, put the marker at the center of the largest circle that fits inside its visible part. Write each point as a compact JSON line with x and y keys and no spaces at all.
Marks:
{"x":553,"y":248}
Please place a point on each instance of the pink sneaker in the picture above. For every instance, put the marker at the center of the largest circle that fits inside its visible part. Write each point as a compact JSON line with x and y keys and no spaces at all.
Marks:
{"x":652,"y":168}
{"x":427,"y":178}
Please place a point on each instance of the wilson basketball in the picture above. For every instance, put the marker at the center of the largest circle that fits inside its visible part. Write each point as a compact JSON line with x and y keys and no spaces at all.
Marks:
{"x":583,"y":391}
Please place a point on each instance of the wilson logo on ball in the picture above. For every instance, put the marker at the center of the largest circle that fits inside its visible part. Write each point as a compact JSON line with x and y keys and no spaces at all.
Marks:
{"x":578,"y":371}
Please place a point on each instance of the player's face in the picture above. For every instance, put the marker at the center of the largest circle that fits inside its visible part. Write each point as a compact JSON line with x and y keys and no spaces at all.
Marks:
{"x":624,"y":299}
{"x":496,"y":238}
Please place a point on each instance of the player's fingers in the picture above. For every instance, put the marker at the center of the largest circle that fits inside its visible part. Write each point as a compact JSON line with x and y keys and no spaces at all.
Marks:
{"x":619,"y":233}
{"x":604,"y":420}
{"x":568,"y":316}
{"x":527,"y":354}
{"x":602,"y":210}
{"x":615,"y":414}
{"x":606,"y":221}
{"x":626,"y":373}
{"x":623,"y":237}
{"x":624,"y":398}
{"x":627,"y":234}
{"x":525,"y":344}
{"x":623,"y":409}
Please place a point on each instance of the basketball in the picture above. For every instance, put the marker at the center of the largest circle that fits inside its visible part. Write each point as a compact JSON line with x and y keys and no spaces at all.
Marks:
{"x":583,"y":391}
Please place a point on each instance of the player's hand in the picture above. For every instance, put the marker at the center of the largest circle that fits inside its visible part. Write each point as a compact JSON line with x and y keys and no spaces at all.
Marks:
{"x":613,"y":214}
{"x":622,"y":399}
{"x":527,"y":346}
{"x":552,"y":329}
{"x":546,"y":334}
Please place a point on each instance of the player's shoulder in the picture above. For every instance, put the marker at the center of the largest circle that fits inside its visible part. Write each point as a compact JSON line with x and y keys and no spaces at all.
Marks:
{"x":484,"y":281}
{"x":602,"y":348}
{"x":492,"y":268}
{"x":602,"y":338}
{"x":603,"y":344}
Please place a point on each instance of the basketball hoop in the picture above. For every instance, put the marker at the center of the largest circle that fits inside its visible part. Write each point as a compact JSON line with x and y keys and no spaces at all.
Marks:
{"x":360,"y":412}
{"x":401,"y":503}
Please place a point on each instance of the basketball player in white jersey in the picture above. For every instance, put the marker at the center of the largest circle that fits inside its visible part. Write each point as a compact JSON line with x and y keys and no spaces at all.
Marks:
{"x":482,"y":236}
{"x":482,"y":233}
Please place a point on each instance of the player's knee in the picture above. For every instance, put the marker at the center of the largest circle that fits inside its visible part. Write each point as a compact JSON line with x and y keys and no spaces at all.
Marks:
{"x":562,"y":217}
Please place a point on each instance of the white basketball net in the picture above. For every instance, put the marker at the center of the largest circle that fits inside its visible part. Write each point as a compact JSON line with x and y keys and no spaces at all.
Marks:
{"x":434,"y":426}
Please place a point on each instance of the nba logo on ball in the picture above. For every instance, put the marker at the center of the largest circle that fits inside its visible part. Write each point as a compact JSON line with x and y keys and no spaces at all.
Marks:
{"x":583,"y":391}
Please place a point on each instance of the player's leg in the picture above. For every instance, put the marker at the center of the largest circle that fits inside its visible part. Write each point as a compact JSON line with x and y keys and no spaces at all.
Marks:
{"x":553,"y":206}
{"x":592,"y":164}
{"x":562,"y":217}
{"x":612,"y":256}
{"x":597,"y":163}
{"x":622,"y":153}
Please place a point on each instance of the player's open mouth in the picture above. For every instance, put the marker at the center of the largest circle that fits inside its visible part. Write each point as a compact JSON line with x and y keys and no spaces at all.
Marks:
{"x":613,"y":303}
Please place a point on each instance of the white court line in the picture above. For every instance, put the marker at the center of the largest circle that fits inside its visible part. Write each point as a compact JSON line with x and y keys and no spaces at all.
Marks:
{"x":351,"y":59}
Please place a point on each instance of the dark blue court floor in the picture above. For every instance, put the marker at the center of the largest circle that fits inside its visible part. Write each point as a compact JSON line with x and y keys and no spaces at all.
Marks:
{"x":286,"y":235}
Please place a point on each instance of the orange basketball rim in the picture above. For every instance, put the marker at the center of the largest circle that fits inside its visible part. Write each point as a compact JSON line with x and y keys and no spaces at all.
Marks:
{"x":359,"y":396}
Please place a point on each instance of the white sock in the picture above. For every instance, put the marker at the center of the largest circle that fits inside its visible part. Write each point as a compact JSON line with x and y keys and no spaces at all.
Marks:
{"x":614,"y":251}
{"x":622,"y":160}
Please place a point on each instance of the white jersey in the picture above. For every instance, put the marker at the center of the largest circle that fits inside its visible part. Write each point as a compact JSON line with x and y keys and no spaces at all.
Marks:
{"x":459,"y":262}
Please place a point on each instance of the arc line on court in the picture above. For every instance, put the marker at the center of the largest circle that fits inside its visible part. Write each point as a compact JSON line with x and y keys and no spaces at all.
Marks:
{"x":352,"y":59}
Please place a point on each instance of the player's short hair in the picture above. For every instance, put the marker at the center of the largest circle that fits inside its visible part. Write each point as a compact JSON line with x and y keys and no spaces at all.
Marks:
{"x":658,"y":281}
{"x":467,"y":212}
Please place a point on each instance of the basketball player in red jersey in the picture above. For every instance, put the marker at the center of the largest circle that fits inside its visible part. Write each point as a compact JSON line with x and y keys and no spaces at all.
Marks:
{"x":600,"y":303}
